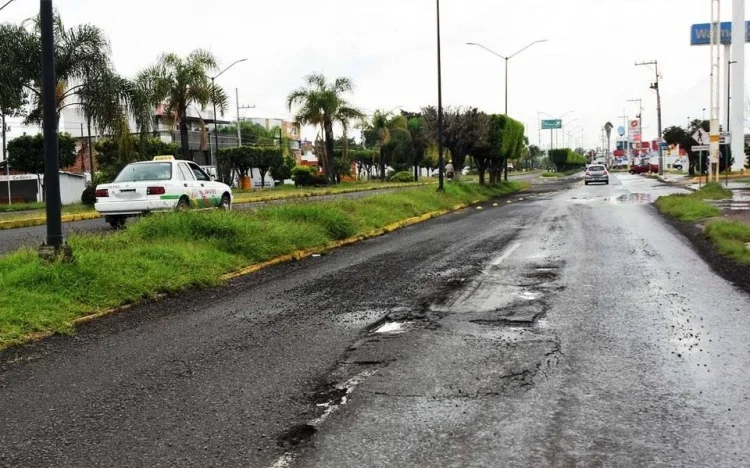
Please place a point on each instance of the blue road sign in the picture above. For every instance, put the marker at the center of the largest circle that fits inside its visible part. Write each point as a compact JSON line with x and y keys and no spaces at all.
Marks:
{"x":700,"y":34}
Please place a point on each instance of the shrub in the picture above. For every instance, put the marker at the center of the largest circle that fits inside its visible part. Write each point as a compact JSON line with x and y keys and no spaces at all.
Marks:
{"x":88,"y":197}
{"x":403,"y":176}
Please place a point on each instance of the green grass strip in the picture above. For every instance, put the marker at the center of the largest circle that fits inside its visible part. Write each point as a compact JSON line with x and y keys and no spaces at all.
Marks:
{"x":730,"y":237}
{"x":171,"y":252}
{"x":692,"y":207}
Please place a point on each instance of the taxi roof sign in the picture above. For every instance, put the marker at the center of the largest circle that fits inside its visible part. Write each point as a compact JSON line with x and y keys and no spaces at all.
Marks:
{"x":164,"y":158}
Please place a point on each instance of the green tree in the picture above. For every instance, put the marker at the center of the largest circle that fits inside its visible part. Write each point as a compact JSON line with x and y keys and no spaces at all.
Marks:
{"x":113,"y":154}
{"x":13,"y":99}
{"x":420,"y":142}
{"x":179,"y":83}
{"x":252,"y":133}
{"x":86,"y":78}
{"x":392,"y":133}
{"x":322,"y":103}
{"x":26,"y":153}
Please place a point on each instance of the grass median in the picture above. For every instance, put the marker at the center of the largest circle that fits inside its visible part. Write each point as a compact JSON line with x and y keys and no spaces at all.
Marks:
{"x":731,"y":239}
{"x":171,"y":252}
{"x":693,"y":207}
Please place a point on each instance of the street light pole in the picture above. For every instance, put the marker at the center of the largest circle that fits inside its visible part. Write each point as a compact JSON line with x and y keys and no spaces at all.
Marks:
{"x":51,"y":157}
{"x":441,"y":161}
{"x":216,"y":118}
{"x":506,"y":59}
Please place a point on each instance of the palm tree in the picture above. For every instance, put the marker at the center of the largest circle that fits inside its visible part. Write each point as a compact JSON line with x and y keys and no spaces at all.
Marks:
{"x":322,"y":104}
{"x":178,"y":83}
{"x":386,"y":125}
{"x":86,"y":78}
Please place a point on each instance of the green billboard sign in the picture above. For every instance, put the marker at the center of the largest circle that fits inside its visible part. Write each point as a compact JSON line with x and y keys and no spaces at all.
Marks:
{"x":551,"y":124}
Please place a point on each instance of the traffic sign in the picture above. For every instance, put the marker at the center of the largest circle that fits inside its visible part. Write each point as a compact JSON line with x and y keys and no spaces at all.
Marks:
{"x":700,"y":148}
{"x":551,"y":124}
{"x":700,"y":34}
{"x":701,"y":136}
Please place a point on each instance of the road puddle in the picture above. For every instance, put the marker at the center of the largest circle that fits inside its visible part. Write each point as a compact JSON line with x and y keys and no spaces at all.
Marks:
{"x":630,"y":199}
{"x":393,"y":328}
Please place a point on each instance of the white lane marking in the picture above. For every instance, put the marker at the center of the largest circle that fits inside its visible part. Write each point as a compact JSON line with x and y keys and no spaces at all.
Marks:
{"x":508,"y":252}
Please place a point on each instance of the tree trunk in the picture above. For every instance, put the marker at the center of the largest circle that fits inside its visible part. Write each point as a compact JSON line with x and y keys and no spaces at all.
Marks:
{"x":416,"y":173}
{"x":505,"y":163}
{"x":481,"y":177}
{"x":382,"y":164}
{"x":184,"y":140}
{"x":329,"y":153}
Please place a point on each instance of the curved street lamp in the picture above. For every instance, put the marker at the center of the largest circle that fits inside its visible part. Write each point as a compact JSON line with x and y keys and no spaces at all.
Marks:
{"x":506,"y":63}
{"x":216,"y":118}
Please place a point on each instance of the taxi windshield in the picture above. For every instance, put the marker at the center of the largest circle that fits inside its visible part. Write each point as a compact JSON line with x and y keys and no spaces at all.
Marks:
{"x":145,"y":171}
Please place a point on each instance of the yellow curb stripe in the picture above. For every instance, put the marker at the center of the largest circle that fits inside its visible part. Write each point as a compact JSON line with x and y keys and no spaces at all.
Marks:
{"x":39,"y":221}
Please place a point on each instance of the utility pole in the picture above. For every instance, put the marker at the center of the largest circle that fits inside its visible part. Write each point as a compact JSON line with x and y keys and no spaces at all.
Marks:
{"x":655,"y":86}
{"x":728,"y":146}
{"x":441,"y":161}
{"x":715,"y":86}
{"x":625,"y":142}
{"x":51,"y":249}
{"x":5,"y":158}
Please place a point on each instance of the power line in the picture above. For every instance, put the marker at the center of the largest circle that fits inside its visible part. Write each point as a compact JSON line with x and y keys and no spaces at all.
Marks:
{"x":6,"y":4}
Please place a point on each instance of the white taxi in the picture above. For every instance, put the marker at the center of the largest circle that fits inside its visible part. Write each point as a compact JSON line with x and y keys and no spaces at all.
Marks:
{"x":158,"y":185}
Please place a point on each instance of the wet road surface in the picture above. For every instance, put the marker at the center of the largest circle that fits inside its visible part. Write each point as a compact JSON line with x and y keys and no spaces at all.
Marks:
{"x":569,"y":327}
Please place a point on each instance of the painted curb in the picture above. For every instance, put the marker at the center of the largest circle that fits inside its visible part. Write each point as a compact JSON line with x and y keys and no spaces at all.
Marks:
{"x":41,"y":220}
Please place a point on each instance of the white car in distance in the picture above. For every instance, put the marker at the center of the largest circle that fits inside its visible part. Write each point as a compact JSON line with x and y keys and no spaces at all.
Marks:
{"x":162,"y":184}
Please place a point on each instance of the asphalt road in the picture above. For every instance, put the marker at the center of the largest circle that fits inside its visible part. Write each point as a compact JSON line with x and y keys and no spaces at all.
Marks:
{"x":570,"y":328}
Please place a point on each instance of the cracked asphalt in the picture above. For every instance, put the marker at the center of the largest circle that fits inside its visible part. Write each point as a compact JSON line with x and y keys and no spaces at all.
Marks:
{"x":570,"y":327}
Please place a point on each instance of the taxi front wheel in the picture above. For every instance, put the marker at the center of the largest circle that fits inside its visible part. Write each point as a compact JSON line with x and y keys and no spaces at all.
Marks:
{"x":226,"y":203}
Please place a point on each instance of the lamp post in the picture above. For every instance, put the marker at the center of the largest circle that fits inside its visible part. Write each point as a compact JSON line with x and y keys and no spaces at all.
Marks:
{"x":216,"y":119}
{"x":55,"y":240}
{"x":441,"y":161}
{"x":506,"y":63}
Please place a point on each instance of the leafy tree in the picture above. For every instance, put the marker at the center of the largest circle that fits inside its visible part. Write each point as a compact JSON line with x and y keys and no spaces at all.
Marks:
{"x":387,"y":127}
{"x":113,"y":154}
{"x":26,"y":153}
{"x":420,"y":142}
{"x":461,"y":130}
{"x":13,"y":99}
{"x":322,"y":103}
{"x":86,"y":78}
{"x":252,"y":133}
{"x":266,"y":157}
{"x":244,"y":158}
{"x":180,"y":82}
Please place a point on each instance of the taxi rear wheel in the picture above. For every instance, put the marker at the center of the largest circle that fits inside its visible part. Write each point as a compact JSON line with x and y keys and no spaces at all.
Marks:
{"x":183,"y":204}
{"x":117,"y":222}
{"x":226,"y":203}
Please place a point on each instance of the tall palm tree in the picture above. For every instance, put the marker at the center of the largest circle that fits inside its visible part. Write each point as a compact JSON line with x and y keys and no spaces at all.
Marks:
{"x":86,"y":78}
{"x":322,"y":103}
{"x":177,"y":83}
{"x":386,"y":125}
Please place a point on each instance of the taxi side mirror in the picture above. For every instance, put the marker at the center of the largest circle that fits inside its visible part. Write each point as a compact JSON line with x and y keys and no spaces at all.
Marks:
{"x":213,"y":177}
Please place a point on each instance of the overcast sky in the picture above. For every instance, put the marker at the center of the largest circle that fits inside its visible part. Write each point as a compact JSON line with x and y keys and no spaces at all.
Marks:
{"x":387,"y":48}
